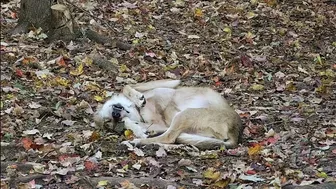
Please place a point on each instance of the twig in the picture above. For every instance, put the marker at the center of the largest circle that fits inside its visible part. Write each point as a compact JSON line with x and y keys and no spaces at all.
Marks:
{"x":272,"y":123}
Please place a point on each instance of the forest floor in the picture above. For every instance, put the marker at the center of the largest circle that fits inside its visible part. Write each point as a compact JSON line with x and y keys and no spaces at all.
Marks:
{"x":275,"y":61}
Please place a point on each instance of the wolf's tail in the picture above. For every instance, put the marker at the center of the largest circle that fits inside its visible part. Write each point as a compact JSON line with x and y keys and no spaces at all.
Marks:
{"x":141,"y":87}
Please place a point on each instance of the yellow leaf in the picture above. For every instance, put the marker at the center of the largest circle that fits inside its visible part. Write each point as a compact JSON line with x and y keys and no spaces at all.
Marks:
{"x":198,"y":12}
{"x":62,"y":81}
{"x":79,"y":70}
{"x":271,"y":2}
{"x":128,"y":134}
{"x":254,"y":150}
{"x":222,"y":183}
{"x":98,"y":98}
{"x":227,"y":30}
{"x":10,"y":96}
{"x":102,"y":183}
{"x":330,"y":73}
{"x":253,"y":2}
{"x":257,"y":87}
{"x":249,"y":35}
{"x":290,"y":86}
{"x":211,"y":174}
{"x":319,"y":60}
{"x":322,"y":175}
{"x":250,"y":15}
{"x":92,"y":86}
{"x":123,"y":68}
{"x":322,"y":89}
{"x":222,"y":148}
{"x":170,"y":67}
{"x":87,"y":61}
{"x":151,"y":27}
{"x":39,"y":84}
{"x":114,"y":61}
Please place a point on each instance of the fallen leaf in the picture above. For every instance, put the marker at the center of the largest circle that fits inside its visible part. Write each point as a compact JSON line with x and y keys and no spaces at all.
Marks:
{"x":270,"y":133}
{"x":222,"y":183}
{"x":138,"y":152}
{"x":19,"y":73}
{"x":43,"y":73}
{"x":252,"y":178}
{"x":78,"y":71}
{"x":34,"y":105}
{"x":210,"y":173}
{"x":102,"y":183}
{"x":31,"y":132}
{"x":251,"y":172}
{"x":254,"y":150}
{"x":90,"y":166}
{"x":257,"y":87}
{"x":94,"y":136}
{"x":302,"y":70}
{"x":27,"y":142}
{"x":128,"y":134}
{"x":322,"y":175}
{"x":68,"y":122}
{"x":136,"y":166}
{"x":198,"y":12}
{"x":193,"y":37}
{"x":250,"y":15}
{"x":161,"y":152}
{"x":184,"y":162}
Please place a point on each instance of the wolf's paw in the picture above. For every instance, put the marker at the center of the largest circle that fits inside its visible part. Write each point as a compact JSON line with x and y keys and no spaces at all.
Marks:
{"x":135,"y":142}
{"x":135,"y":96}
{"x":139,"y":99}
{"x":137,"y":130}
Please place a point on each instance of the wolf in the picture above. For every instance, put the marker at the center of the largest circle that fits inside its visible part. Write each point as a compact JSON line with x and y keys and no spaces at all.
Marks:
{"x":197,"y":116}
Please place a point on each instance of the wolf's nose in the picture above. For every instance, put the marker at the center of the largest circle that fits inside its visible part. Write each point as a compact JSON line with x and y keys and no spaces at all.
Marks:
{"x":116,"y":114}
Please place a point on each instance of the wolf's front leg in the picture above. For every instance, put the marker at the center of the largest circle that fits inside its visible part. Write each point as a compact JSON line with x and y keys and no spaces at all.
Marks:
{"x":137,"y":129}
{"x":136,"y":97}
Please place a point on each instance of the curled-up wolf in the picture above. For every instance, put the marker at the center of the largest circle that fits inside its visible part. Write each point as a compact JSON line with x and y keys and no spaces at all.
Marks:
{"x":186,"y":115}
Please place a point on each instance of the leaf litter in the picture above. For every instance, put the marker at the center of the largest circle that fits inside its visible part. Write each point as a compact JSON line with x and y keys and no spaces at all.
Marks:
{"x":275,"y":63}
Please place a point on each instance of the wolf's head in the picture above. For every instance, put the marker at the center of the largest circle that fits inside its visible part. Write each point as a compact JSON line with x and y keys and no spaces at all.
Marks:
{"x":117,"y":108}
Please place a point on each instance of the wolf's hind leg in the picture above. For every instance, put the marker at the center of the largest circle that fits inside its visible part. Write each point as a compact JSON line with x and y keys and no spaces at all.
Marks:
{"x":178,"y":125}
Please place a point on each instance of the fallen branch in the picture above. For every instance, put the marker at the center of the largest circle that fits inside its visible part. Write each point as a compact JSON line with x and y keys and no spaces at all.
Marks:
{"x":326,"y":185}
{"x":136,"y":181}
{"x":29,"y":178}
{"x":24,"y":167}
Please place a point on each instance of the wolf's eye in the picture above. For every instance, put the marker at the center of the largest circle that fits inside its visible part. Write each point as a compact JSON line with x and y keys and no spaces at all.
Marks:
{"x":116,"y":106}
{"x":141,"y":98}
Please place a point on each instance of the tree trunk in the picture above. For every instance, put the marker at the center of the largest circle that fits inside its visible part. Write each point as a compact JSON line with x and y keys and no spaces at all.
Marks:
{"x":33,"y":14}
{"x":56,"y":21}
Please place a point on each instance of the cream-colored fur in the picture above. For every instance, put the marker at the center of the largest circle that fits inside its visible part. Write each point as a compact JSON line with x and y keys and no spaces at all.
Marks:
{"x":189,"y":115}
